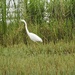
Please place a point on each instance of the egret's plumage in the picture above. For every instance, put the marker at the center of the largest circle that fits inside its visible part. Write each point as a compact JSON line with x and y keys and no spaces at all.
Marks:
{"x":32,"y":36}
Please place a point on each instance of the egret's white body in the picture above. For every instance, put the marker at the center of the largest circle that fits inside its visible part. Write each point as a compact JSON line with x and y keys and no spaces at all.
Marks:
{"x":32,"y":36}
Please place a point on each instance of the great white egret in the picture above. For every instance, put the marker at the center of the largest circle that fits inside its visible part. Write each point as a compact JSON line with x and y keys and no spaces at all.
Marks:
{"x":32,"y":36}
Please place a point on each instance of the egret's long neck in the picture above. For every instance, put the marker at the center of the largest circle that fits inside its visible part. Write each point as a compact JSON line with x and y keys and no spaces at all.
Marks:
{"x":26,"y":27}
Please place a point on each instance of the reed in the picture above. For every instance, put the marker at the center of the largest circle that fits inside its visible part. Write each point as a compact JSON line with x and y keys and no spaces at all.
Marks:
{"x":61,"y":19}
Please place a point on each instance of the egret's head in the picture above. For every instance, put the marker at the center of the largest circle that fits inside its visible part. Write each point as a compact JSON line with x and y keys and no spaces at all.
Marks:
{"x":22,"y":20}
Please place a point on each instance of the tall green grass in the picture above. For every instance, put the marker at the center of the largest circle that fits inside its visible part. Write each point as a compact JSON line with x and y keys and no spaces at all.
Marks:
{"x":3,"y":5}
{"x":38,"y":59}
{"x":61,"y":24}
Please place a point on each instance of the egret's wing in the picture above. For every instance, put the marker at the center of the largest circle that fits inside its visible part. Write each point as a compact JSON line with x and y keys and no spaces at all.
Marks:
{"x":34,"y":37}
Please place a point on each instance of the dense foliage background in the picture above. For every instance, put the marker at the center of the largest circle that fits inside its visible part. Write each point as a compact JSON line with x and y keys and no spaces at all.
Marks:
{"x":52,"y":21}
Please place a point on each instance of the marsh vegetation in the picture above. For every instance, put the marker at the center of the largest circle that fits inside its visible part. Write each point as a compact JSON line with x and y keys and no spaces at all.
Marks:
{"x":53,"y":21}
